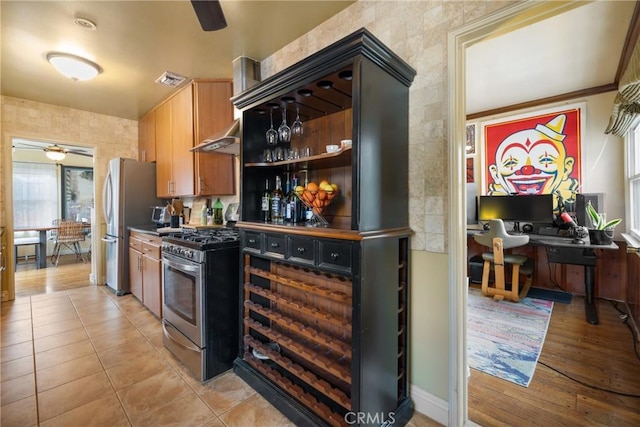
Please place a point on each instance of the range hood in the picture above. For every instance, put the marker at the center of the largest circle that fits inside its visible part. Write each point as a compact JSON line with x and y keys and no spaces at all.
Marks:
{"x":225,"y":142}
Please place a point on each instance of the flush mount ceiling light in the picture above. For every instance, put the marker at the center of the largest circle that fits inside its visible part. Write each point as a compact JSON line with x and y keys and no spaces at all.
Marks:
{"x":74,"y":67}
{"x":55,"y":153}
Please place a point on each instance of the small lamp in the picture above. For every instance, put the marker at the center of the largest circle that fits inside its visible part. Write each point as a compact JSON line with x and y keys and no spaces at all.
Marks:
{"x":72,"y":66}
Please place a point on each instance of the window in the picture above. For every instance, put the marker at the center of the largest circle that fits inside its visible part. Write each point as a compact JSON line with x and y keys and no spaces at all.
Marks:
{"x":633,"y":180}
{"x":35,"y":194}
{"x":77,"y":193}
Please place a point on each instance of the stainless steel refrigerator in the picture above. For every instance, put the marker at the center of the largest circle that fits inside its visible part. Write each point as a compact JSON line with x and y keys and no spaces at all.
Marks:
{"x":128,"y":193}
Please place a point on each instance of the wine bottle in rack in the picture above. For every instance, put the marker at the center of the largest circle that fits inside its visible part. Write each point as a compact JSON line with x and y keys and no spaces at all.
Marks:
{"x":276,"y":202}
{"x":266,"y":202}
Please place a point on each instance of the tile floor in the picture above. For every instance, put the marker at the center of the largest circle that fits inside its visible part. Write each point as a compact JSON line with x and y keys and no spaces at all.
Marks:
{"x":86,"y":357}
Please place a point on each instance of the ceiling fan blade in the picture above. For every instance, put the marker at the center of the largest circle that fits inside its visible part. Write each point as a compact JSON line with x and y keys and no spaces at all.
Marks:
{"x":28,"y":147}
{"x":78,"y":153}
{"x":210,"y":15}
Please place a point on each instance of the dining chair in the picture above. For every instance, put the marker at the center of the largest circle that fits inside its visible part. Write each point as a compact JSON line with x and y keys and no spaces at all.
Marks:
{"x":68,"y":234}
{"x":498,"y":240}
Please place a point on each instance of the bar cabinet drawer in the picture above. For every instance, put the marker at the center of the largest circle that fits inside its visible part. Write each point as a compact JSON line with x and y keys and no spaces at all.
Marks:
{"x":335,"y":255}
{"x":301,"y":250}
{"x":252,"y":241}
{"x":274,"y":245}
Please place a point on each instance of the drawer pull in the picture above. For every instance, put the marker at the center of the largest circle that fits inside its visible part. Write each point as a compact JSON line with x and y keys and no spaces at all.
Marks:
{"x":300,"y":249}
{"x":252,"y":241}
{"x":274,"y":245}
{"x":335,"y":255}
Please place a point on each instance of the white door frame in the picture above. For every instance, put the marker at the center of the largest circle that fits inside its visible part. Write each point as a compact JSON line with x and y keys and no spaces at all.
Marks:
{"x":503,"y":21}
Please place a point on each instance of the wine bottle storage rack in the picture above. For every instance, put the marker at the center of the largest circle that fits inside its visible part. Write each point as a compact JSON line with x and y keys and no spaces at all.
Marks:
{"x":308,"y":314}
{"x":304,"y":331}
{"x":303,"y":286}
{"x":296,"y":305}
{"x":323,"y":411}
{"x":403,"y":298}
{"x":315,"y":359}
{"x":305,"y":375}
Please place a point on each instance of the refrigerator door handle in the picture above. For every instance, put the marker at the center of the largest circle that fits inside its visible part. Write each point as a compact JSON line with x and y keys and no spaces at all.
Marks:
{"x":108,"y":239}
{"x":107,"y":196}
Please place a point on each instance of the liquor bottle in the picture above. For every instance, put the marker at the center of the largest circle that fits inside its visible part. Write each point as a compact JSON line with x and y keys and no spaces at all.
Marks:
{"x":286,"y":206}
{"x":217,"y":212}
{"x":276,"y":203}
{"x":266,"y":202}
{"x":293,"y":202}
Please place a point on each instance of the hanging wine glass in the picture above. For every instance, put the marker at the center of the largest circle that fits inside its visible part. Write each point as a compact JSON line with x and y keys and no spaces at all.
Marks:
{"x":284,"y":131}
{"x":296,"y":126}
{"x":272,"y":134}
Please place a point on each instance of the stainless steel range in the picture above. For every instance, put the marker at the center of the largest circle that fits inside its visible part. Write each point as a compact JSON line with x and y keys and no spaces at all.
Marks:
{"x":200,"y":277}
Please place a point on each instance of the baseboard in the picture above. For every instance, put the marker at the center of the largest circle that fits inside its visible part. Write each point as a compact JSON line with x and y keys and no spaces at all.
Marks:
{"x":430,"y":405}
{"x":433,"y":407}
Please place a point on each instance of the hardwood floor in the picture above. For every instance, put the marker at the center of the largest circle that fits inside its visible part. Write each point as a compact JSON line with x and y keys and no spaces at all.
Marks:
{"x":69,"y":274}
{"x":598,"y":355}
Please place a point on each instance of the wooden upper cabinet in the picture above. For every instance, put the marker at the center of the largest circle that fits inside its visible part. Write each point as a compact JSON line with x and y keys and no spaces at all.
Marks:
{"x":147,"y":137}
{"x":163,"y":149}
{"x":214,"y":173}
{"x":182,"y":142}
{"x":192,"y":114}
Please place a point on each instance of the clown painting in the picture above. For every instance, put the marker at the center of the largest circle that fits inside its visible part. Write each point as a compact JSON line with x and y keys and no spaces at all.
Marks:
{"x":536,"y":155}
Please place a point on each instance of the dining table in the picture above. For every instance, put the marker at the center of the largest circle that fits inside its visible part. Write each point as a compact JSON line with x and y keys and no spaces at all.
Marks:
{"x":42,"y":242}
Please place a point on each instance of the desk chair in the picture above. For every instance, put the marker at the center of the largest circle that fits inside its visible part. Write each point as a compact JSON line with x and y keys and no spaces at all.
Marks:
{"x":498,"y":239}
{"x":68,"y":234}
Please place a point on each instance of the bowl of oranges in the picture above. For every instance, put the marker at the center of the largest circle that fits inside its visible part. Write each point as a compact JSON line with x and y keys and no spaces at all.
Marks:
{"x":317,"y":196}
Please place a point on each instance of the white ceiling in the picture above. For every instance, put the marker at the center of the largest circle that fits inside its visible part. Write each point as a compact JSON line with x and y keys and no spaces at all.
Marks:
{"x":579,"y":49}
{"x":136,"y":41}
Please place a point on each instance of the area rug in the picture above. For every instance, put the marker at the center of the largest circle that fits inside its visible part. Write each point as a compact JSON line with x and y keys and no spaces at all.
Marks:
{"x":504,"y":339}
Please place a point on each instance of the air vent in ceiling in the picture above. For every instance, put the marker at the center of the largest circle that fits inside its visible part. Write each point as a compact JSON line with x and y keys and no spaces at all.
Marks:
{"x":170,"y":79}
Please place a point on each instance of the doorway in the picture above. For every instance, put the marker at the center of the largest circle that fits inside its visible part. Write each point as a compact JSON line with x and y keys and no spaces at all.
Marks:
{"x":503,"y":21}
{"x":66,"y":170}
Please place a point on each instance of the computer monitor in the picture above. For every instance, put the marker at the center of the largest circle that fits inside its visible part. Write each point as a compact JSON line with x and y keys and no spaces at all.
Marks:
{"x":519,"y":208}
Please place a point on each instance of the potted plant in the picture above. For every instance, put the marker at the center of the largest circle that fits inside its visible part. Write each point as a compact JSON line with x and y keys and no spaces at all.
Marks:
{"x":602,"y":231}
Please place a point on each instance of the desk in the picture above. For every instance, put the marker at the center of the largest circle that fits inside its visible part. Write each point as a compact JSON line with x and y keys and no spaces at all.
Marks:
{"x":42,"y":232}
{"x":560,"y":250}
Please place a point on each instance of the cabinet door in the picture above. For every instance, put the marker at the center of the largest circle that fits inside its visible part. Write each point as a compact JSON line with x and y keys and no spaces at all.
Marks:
{"x":182,"y":140}
{"x":163,"y":149}
{"x":135,"y":273}
{"x":147,"y":137}
{"x":213,"y":112}
{"x":216,"y":174}
{"x":153,"y":285}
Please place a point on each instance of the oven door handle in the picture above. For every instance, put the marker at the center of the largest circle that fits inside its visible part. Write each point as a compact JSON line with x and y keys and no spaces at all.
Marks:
{"x":176,"y":339}
{"x":180,"y":266}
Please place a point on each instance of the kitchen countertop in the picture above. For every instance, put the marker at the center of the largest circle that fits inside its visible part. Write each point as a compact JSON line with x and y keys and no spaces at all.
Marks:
{"x":149,"y":229}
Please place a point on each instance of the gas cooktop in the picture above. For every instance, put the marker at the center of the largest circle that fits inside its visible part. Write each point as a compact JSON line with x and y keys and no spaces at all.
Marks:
{"x":203,"y":239}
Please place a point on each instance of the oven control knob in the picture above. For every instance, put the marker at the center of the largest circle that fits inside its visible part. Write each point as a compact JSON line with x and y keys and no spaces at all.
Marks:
{"x":188,"y":254}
